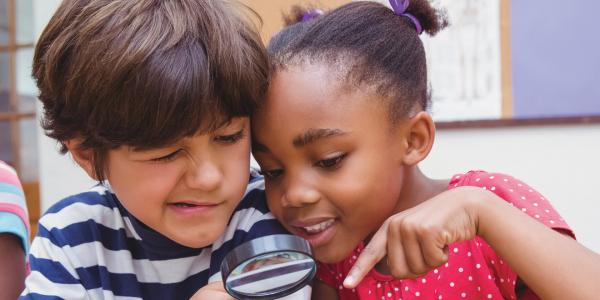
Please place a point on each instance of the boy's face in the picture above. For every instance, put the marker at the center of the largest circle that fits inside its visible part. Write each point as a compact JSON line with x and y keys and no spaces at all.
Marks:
{"x":186,"y":191}
{"x":331,"y":159}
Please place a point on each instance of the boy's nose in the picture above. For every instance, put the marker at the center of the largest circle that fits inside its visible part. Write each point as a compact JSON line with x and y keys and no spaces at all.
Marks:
{"x":299,"y":194}
{"x":205,"y":176}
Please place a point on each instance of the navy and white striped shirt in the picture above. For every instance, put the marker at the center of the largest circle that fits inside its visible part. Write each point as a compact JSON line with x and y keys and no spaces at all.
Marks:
{"x":89,"y":247}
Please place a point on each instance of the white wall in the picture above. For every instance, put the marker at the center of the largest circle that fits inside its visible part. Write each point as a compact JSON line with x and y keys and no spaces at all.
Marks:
{"x":561,"y":162}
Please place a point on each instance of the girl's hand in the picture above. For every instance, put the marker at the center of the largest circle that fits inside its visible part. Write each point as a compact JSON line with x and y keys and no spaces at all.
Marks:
{"x":212,"y":291}
{"x":416,"y":240}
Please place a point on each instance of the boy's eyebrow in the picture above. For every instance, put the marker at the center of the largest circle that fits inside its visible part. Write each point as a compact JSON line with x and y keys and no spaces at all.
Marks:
{"x":313,"y":135}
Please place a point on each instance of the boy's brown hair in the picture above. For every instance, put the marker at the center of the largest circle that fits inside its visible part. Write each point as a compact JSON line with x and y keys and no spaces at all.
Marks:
{"x":146,"y":73}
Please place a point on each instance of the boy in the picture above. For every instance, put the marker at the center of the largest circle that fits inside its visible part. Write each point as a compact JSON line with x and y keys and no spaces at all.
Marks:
{"x":151,"y":98}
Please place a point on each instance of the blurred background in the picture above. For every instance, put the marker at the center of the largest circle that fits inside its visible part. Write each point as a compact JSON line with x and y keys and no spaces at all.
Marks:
{"x":516,"y":89}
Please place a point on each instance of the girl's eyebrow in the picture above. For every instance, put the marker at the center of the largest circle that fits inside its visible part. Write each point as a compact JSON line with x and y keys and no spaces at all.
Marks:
{"x":313,"y":135}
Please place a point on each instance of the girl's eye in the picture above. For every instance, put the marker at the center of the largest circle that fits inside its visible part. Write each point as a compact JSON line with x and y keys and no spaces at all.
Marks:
{"x":230,"y":139}
{"x":271,"y":174}
{"x":331,"y":162}
{"x":167,"y":157}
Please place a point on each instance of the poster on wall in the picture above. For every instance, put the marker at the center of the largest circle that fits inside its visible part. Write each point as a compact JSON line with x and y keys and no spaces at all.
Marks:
{"x":464,"y":62}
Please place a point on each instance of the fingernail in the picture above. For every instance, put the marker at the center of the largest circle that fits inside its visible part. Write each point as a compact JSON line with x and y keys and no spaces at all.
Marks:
{"x":349,"y":280}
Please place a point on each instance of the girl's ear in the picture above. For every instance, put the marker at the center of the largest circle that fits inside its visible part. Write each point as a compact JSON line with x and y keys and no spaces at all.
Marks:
{"x":83,"y":157}
{"x":420,"y":135}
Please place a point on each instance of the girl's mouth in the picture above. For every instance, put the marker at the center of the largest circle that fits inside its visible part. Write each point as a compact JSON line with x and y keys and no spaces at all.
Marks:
{"x":318,"y":234}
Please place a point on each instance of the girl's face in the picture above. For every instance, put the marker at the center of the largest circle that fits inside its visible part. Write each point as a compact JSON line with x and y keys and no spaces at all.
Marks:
{"x":331,"y":159}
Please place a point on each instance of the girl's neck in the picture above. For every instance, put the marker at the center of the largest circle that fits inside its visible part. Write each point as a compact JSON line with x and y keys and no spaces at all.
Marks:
{"x":417,"y":188}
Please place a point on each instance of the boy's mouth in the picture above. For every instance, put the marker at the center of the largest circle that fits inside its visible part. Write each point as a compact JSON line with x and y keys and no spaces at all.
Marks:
{"x":191,"y":208}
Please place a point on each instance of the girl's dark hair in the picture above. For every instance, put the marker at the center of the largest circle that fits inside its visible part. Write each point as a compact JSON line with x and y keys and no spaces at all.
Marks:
{"x":375,"y":48}
{"x":146,"y":73}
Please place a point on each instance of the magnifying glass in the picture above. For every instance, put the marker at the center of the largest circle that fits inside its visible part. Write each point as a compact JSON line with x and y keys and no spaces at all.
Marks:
{"x":277,"y":266}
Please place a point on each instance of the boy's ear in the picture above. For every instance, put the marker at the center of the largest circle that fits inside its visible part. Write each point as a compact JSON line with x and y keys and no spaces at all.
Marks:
{"x":82,"y":157}
{"x":419,"y":138}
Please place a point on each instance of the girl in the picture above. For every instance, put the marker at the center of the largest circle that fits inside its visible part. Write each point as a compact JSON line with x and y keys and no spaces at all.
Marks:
{"x":339,"y":138}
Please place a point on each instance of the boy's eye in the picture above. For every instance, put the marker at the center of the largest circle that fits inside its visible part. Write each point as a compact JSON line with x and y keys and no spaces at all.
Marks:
{"x":331,"y":162}
{"x":271,"y":174}
{"x":231,"y":138}
{"x":167,"y":157}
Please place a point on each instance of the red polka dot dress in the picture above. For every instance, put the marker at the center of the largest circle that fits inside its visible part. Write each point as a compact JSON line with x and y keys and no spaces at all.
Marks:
{"x":473,"y":270}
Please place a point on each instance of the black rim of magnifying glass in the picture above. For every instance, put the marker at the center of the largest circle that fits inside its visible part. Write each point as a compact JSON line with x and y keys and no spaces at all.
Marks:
{"x":263,"y":246}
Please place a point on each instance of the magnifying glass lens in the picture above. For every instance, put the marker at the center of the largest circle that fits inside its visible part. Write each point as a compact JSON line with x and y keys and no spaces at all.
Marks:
{"x":270,"y":273}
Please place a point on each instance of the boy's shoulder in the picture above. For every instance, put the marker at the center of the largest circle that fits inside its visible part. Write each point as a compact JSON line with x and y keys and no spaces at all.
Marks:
{"x":90,"y":209}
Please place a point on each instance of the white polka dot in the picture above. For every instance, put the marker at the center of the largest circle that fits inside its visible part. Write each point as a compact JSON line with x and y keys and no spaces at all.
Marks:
{"x":502,"y":280}
{"x":511,"y":190}
{"x":537,"y":216}
{"x":547,"y":211}
{"x":489,"y":296}
{"x":395,"y":289}
{"x":470,"y":278}
{"x":493,"y":188}
{"x":477,"y":179}
{"x":389,"y":294}
{"x":551,"y":222}
{"x":523,"y":197}
{"x":440,"y":297}
{"x":491,"y":177}
{"x":370,"y":292}
{"x":505,"y":180}
{"x":469,"y":253}
{"x":435,"y":271}
{"x":455,"y":250}
{"x":518,"y":184}
{"x":492,"y":262}
{"x":353,"y":256}
{"x":477,"y":266}
{"x":524,"y":209}
{"x":490,"y":277}
{"x":423,"y":280}
{"x":446,"y":265}
{"x":460,"y":269}
{"x":463,"y":294}
{"x":535,"y":204}
{"x":479,"y":288}
{"x":406,"y":288}
{"x":485,"y":188}
{"x":530,"y":190}
{"x":452,"y":284}
{"x":417,"y":294}
{"x":456,"y":184}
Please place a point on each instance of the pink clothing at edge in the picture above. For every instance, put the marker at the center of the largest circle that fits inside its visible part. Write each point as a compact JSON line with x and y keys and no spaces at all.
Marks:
{"x":473,"y":271}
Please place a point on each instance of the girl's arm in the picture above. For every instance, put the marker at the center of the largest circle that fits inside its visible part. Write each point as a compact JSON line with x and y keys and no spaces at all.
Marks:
{"x":12,"y":266}
{"x":415,"y":241}
{"x":556,"y":267}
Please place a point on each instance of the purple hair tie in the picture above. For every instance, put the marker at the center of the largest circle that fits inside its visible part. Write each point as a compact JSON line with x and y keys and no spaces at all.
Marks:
{"x":400,"y":7}
{"x":311,"y":14}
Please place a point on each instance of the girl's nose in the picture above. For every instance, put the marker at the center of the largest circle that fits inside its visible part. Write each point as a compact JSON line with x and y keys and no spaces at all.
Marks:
{"x":204,"y":175}
{"x":299,"y":194}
